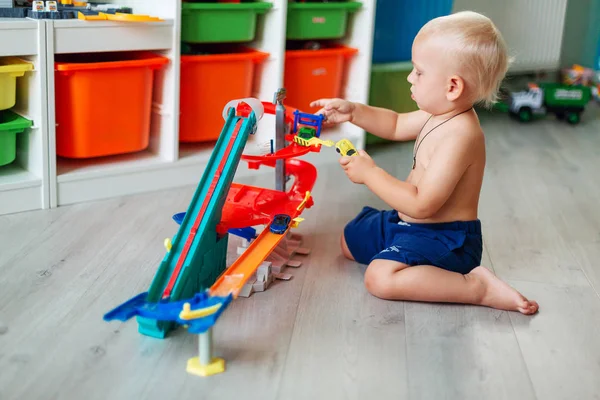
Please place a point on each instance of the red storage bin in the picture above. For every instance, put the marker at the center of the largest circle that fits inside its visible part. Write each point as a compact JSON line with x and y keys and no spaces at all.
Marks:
{"x":103,"y":102}
{"x":313,"y":74}
{"x":208,"y":83}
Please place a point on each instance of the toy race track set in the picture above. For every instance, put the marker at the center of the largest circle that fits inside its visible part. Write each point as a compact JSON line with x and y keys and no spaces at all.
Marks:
{"x":192,"y":286}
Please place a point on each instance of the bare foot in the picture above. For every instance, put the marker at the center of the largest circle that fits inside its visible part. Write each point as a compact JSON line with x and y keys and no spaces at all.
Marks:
{"x":500,"y":295}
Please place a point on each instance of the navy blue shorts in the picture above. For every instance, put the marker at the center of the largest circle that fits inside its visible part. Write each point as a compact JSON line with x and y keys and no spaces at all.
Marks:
{"x":454,"y":246}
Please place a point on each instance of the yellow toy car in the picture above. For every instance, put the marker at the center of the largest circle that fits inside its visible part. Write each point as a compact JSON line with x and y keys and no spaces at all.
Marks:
{"x":345,"y":148}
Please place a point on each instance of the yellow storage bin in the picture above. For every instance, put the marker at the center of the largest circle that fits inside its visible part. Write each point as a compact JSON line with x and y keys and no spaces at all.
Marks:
{"x":10,"y":69}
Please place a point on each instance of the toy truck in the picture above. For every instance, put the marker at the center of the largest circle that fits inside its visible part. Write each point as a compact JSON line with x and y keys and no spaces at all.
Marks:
{"x":566,"y":102}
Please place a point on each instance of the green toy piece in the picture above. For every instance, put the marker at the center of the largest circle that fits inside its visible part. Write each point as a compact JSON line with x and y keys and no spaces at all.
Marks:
{"x":307,"y":132}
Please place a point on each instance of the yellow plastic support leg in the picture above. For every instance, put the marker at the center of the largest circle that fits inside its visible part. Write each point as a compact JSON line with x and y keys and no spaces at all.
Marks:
{"x":205,"y":364}
{"x":216,"y":366}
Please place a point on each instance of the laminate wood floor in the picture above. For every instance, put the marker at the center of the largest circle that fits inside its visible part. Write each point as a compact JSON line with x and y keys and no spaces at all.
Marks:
{"x":321,"y":335}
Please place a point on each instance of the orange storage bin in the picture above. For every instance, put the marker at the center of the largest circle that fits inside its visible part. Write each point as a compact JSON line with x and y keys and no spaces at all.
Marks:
{"x":208,"y":83}
{"x":104,"y":102}
{"x":313,"y":74}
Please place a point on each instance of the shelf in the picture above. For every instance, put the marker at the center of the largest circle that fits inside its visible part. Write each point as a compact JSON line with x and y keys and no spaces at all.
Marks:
{"x":20,"y":190}
{"x":24,"y":182}
{"x":87,"y":180}
{"x":18,"y":37}
{"x":74,"y":181}
{"x":13,"y":177}
{"x":80,"y":36}
{"x":78,"y":169}
{"x":195,"y":153}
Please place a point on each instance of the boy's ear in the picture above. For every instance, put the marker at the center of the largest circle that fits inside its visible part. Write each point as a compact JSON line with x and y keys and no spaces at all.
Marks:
{"x":456,"y":87}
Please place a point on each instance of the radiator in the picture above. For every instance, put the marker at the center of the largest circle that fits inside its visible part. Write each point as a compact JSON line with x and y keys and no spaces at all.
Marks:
{"x":533,"y":29}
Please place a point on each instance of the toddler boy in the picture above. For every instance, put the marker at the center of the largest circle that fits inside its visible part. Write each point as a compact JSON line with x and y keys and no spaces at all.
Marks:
{"x":428,"y":247}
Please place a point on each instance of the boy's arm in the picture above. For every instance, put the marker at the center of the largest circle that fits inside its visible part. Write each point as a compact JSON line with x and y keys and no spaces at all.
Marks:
{"x":451,"y":159}
{"x":388,"y":124}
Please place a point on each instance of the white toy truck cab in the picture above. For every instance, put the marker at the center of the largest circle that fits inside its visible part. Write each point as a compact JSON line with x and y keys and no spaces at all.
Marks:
{"x":526,"y":103}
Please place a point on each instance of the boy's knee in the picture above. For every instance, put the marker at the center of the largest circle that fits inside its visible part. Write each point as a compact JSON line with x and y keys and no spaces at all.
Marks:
{"x":345,"y":250}
{"x":378,"y":279}
{"x":376,"y":283}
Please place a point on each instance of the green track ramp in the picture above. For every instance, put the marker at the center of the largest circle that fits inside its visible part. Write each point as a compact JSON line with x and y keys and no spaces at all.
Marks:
{"x":207,"y":255}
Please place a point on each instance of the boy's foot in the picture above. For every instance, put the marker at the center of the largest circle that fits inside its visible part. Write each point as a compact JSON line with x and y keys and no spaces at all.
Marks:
{"x":500,"y":295}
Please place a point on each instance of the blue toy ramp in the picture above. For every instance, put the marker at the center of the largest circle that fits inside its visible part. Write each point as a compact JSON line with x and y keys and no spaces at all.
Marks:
{"x":127,"y":310}
{"x":198,"y":313}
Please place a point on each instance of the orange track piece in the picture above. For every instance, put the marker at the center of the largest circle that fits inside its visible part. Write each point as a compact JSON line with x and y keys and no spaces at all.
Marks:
{"x":234,"y":277}
{"x":238,"y":273}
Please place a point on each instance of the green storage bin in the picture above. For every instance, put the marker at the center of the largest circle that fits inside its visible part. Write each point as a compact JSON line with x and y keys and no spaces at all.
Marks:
{"x":390,"y":89}
{"x":10,"y":125}
{"x":319,"y":20}
{"x":220,"y":22}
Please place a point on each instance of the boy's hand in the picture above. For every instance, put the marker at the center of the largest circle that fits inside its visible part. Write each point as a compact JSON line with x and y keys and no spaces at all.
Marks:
{"x":358,"y":167}
{"x":336,"y":111}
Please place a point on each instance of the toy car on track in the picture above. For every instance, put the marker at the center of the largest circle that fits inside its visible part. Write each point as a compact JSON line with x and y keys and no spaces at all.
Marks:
{"x":280,"y":223}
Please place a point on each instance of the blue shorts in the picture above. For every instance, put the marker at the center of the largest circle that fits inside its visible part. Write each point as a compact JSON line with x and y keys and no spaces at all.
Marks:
{"x":453,"y":246}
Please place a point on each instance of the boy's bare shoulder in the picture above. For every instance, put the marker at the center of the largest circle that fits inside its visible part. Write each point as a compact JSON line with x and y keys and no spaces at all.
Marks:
{"x":465,"y":132}
{"x":462,"y":144}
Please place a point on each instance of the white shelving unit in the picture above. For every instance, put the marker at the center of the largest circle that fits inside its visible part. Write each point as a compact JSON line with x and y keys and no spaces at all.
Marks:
{"x":74,"y":181}
{"x":167,"y":163}
{"x":24,"y":184}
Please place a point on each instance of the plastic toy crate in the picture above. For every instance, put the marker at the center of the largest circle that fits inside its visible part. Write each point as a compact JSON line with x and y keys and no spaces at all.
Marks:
{"x":319,"y":20}
{"x":10,"y":125}
{"x":104,"y":102}
{"x":220,"y":22}
{"x":313,"y":74}
{"x":390,"y":89}
{"x":397,"y":22}
{"x":208,"y":82}
{"x":10,"y":69}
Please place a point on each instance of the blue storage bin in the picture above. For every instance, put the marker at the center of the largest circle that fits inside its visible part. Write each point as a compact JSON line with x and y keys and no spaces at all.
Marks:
{"x":397,"y":22}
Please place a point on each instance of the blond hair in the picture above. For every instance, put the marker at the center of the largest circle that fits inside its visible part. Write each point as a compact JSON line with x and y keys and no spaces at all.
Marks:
{"x":479,"y":49}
